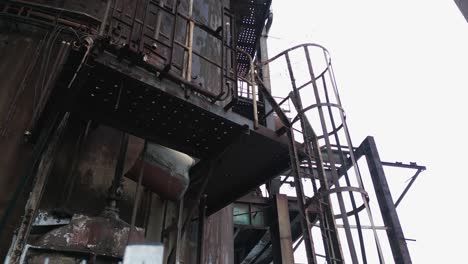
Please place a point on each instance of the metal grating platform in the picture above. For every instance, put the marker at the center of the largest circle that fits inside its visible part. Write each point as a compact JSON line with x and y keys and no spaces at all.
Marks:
{"x":134,"y":100}
{"x":247,"y":163}
{"x":251,"y":17}
{"x":120,"y":101}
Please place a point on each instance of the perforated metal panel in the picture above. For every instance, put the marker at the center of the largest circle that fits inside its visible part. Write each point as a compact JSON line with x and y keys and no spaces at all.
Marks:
{"x":251,"y":15}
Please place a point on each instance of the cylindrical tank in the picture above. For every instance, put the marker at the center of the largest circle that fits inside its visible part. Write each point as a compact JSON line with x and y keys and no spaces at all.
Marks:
{"x":165,"y":171}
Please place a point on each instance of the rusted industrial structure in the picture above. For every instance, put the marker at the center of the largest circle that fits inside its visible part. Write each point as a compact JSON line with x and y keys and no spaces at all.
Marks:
{"x":128,"y":122}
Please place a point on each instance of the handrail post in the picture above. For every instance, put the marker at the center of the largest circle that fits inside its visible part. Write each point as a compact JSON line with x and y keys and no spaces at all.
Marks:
{"x":254,"y":89}
{"x":189,"y":42}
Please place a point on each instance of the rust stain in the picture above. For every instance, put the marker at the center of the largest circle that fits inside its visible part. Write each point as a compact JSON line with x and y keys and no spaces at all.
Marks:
{"x":100,"y":235}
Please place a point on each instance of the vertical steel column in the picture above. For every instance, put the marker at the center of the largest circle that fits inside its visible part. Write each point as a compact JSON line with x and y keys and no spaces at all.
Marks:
{"x":389,"y":214}
{"x":282,"y":229}
{"x":179,"y":239}
{"x":201,"y":228}
{"x":223,"y":49}
{"x":115,"y":189}
{"x":136,"y":201}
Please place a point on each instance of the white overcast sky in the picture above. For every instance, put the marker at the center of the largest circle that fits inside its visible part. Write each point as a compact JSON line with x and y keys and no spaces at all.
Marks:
{"x":402,"y":71}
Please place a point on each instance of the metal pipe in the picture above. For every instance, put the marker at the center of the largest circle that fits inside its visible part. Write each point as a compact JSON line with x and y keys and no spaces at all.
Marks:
{"x":201,"y":228}
{"x":171,"y":51}
{"x":223,"y":33}
{"x":190,"y":42}
{"x":137,"y":195}
{"x":157,"y":30}
{"x":163,"y":221}
{"x":114,"y":190}
{"x":105,"y":18}
{"x":413,"y":179}
{"x":76,"y":158}
{"x":89,"y":44}
{"x":412,"y":165}
{"x":132,"y":28}
{"x":143,"y":27}
{"x":179,"y":231}
{"x":360,"y":227}
{"x":254,"y":89}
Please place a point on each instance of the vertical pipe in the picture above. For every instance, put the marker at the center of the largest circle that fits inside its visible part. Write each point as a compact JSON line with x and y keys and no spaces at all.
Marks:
{"x":130,"y":34}
{"x":105,"y":18}
{"x":223,"y":36}
{"x":136,"y":201}
{"x":252,"y":83}
{"x":114,"y":191}
{"x":159,"y":13}
{"x":179,"y":231}
{"x":72,"y":176}
{"x":168,"y":65}
{"x":191,"y":25}
{"x":163,"y":221}
{"x":143,"y":27}
{"x":201,"y":228}
{"x":254,"y":93}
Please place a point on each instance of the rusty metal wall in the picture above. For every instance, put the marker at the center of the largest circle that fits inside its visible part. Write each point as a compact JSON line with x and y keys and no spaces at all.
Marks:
{"x":28,"y":71}
{"x":21,"y":85}
{"x":142,"y":33}
{"x":93,"y":8}
{"x":218,"y":246}
{"x":209,"y":12}
{"x":94,"y":172}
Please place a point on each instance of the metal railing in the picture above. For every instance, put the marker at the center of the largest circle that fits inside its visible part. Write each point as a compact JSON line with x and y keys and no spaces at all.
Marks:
{"x":142,"y":37}
{"x":139,"y":28}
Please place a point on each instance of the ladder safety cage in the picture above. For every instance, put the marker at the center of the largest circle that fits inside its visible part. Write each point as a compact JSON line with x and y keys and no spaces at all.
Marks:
{"x":318,"y":118}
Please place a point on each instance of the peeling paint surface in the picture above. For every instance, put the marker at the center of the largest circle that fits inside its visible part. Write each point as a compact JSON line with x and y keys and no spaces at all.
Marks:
{"x":99,"y":235}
